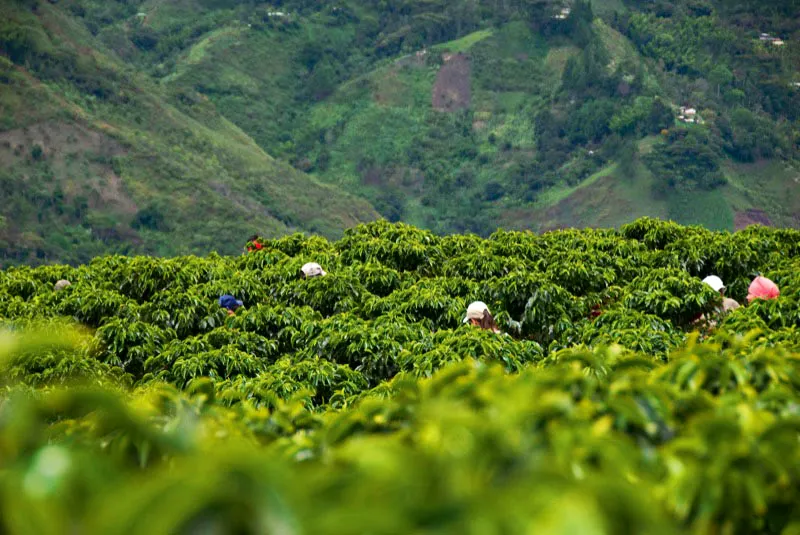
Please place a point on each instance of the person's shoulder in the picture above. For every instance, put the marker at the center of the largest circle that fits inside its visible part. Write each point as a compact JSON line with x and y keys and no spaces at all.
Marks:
{"x":730,"y":304}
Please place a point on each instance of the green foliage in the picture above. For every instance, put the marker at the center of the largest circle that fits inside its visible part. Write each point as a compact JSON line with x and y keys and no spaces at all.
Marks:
{"x":645,"y":116}
{"x":749,"y":138}
{"x":149,"y":410}
{"x":687,"y":160}
{"x":135,"y":128}
{"x":670,"y":294}
{"x":102,"y":165}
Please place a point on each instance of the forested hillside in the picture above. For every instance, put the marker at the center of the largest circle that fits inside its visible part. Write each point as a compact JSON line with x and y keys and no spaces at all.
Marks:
{"x":98,"y":157}
{"x":456,"y":116}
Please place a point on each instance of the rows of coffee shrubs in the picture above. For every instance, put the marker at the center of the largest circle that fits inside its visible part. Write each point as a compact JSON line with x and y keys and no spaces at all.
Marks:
{"x":358,"y":402}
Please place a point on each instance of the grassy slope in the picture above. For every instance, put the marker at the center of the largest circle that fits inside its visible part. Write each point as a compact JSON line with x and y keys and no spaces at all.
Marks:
{"x":391,"y":106}
{"x":249,"y":76}
{"x":253,"y":76}
{"x":613,"y":198}
{"x":772,"y":187}
{"x":211,"y":182}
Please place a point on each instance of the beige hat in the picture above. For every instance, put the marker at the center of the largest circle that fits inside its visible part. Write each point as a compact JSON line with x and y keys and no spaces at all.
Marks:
{"x":312,"y":269}
{"x":475,"y":311}
{"x":60,"y":285}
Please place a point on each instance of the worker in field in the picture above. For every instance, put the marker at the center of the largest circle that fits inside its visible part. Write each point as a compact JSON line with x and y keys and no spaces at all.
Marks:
{"x":312,"y":269}
{"x":254,"y":243}
{"x":60,"y":285}
{"x":717,"y":285}
{"x":230,"y":303}
{"x":478,"y":315}
{"x":762,"y":288}
{"x":728,"y":304}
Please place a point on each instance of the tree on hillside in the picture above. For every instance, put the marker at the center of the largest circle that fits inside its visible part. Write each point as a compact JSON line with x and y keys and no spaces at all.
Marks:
{"x":587,"y":73}
{"x":687,"y":160}
{"x":590,"y":122}
{"x":748,"y":137}
{"x":538,"y":11}
{"x":579,"y":23}
{"x":322,"y":80}
{"x":720,"y":76}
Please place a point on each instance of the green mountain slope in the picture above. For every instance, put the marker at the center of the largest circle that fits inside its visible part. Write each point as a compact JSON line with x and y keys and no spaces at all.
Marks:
{"x":455,"y":116}
{"x":510,"y":122}
{"x":97,"y":157}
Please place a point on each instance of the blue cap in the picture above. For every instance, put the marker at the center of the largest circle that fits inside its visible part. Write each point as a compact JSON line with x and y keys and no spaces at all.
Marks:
{"x":229,"y":302}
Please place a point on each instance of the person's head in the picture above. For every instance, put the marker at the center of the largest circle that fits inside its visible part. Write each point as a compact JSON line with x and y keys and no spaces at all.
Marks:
{"x":60,"y":285}
{"x":230,"y":303}
{"x":715,"y":283}
{"x":478,"y":315}
{"x":312,"y":269}
{"x":762,"y":288}
{"x":254,"y":240}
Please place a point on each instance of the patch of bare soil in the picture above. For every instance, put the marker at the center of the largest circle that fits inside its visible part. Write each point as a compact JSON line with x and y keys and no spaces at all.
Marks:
{"x":64,"y":144}
{"x":408,"y":179}
{"x":108,"y":191}
{"x":742,"y":220}
{"x":245,"y":203}
{"x":452,"y":90}
{"x":56,"y":140}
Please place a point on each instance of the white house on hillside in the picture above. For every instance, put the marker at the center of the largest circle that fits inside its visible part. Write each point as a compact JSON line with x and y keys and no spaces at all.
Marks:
{"x":689,"y":115}
{"x":774,"y":41}
{"x":563,"y":14}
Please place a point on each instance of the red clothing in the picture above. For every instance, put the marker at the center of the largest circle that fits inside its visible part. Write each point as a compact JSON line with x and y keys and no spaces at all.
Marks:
{"x":762,"y":288}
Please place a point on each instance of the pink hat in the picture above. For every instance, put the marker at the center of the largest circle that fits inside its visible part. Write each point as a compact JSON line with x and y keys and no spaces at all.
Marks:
{"x":762,"y":288}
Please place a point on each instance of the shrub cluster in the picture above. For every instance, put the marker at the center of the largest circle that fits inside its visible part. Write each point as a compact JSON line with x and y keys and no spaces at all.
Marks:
{"x":358,"y":401}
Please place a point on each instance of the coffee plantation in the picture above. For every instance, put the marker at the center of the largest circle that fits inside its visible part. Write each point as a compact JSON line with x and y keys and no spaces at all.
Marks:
{"x":358,"y":402}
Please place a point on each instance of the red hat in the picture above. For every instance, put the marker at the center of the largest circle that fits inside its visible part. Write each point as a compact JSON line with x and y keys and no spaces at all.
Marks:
{"x":762,"y":288}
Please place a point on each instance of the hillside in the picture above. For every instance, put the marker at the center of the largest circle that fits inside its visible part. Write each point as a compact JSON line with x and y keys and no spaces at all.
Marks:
{"x":97,"y":157}
{"x":455,"y":116}
{"x":360,"y":402}
{"x":474,"y":133}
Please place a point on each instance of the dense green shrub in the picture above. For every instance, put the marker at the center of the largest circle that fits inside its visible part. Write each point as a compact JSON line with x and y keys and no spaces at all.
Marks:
{"x":687,"y":160}
{"x":359,"y":402}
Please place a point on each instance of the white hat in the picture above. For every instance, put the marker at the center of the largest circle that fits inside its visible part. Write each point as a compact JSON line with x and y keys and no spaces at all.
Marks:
{"x":312,"y":269}
{"x":60,"y":285}
{"x":475,"y":311}
{"x":715,"y":282}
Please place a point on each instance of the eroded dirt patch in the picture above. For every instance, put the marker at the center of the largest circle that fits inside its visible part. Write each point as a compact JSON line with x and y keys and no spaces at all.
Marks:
{"x":78,"y":157}
{"x":56,"y":140}
{"x":408,"y":179}
{"x":452,"y":90}
{"x":742,"y":220}
{"x":108,"y":191}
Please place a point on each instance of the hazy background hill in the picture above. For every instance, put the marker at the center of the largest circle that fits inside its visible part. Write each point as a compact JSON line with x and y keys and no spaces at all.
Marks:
{"x":176,"y":126}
